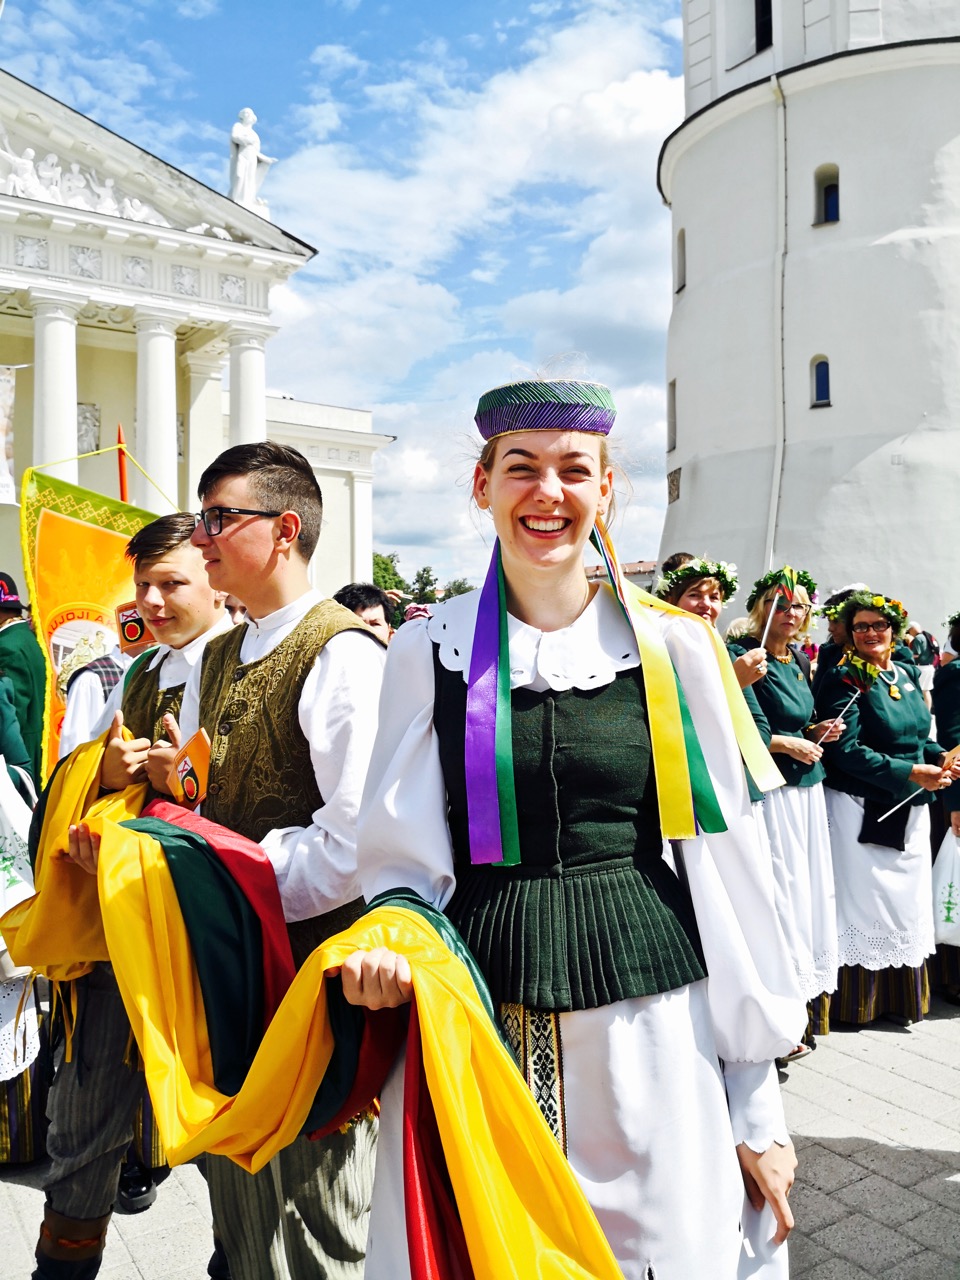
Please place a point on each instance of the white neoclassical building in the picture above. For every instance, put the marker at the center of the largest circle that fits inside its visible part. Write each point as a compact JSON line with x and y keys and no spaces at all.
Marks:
{"x":127,"y":290}
{"x":813,"y":362}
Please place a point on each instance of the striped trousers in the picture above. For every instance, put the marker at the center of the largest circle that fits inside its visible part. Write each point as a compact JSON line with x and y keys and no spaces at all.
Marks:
{"x":92,"y":1103}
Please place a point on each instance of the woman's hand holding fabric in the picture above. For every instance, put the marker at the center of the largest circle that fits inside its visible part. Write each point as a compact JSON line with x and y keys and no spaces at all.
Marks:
{"x":768,"y":1176}
{"x":378,"y":979}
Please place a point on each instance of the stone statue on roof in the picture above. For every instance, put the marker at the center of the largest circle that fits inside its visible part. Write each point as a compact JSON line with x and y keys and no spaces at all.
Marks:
{"x":248,"y":165}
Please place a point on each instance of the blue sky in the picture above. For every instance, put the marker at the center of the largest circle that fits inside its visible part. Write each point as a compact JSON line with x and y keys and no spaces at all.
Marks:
{"x":478,"y":179}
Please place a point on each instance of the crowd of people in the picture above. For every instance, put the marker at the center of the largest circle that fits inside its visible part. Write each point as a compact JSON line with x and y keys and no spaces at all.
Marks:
{"x":870,"y":789}
{"x":666,"y":859}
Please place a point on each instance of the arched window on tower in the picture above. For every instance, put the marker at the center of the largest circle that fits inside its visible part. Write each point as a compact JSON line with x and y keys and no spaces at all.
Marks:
{"x":827,"y":194}
{"x":680,"y":263}
{"x":671,"y":415}
{"x":819,"y":382}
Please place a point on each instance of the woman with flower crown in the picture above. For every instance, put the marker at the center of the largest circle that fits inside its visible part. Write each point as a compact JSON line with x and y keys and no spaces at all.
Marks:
{"x":795,"y":816}
{"x":535,"y":749}
{"x":882,"y":772}
{"x":704,"y":587}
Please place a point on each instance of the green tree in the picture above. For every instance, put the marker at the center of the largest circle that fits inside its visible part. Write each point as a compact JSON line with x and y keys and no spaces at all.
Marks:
{"x":386,"y":575}
{"x":456,"y":587}
{"x":424,"y":586}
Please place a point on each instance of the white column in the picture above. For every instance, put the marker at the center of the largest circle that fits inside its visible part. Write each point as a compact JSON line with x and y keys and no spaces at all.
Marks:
{"x":55,"y":382}
{"x":156,"y":447}
{"x":204,"y":434}
{"x":361,"y":526}
{"x":248,"y":384}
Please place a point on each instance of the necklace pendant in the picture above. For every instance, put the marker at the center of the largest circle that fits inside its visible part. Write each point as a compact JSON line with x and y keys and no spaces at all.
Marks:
{"x":894,"y":692}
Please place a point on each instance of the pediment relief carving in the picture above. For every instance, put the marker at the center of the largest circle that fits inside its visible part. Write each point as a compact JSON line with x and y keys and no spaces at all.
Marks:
{"x":47,"y":161}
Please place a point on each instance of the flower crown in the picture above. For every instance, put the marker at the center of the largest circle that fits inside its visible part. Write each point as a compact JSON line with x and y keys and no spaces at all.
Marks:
{"x":786,"y":579}
{"x":725,"y":574}
{"x":953,"y":619}
{"x":892,"y":610}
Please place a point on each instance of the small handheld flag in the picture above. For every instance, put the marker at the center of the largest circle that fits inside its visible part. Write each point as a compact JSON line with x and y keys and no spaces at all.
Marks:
{"x":131,"y":628}
{"x":191,"y":770}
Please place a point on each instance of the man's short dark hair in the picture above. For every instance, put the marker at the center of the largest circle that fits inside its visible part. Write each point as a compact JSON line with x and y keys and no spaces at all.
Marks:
{"x":160,"y":537}
{"x":364,"y":595}
{"x":279,"y":479}
{"x":675,"y":561}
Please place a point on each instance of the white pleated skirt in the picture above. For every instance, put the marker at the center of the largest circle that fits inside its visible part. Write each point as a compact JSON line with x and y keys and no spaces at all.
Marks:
{"x":649,"y":1139}
{"x":795,"y":820}
{"x":884,"y":896}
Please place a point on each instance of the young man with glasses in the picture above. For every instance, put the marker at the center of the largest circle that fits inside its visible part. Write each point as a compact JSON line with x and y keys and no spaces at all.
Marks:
{"x":290,"y":703}
{"x":96,"y":1095}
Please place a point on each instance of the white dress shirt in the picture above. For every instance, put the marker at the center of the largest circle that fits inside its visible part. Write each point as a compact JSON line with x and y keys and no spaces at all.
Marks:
{"x":316,"y":866}
{"x":85,"y":704}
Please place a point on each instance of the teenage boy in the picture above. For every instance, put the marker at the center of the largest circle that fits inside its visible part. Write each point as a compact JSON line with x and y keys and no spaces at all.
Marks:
{"x":95,"y":1096}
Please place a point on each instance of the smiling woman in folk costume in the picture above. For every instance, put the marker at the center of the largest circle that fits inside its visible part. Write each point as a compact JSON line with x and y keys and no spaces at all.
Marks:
{"x":881,"y":848}
{"x":536,"y":748}
{"x":795,"y":817}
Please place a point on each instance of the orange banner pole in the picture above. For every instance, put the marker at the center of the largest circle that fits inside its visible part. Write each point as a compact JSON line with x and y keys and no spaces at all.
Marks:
{"x":122,"y":462}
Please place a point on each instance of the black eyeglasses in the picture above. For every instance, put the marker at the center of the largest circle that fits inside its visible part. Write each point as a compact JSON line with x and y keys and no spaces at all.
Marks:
{"x":861,"y":628}
{"x":212,"y":518}
{"x":784,"y":605}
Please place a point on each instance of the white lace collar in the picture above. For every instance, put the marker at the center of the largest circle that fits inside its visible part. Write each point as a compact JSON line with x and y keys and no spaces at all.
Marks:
{"x":586,"y":655}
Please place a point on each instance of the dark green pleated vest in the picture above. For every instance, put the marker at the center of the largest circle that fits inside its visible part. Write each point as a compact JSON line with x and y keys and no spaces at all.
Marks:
{"x":593,"y":914}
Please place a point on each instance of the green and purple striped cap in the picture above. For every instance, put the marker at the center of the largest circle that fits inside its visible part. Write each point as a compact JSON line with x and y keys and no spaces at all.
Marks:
{"x":565,"y":405}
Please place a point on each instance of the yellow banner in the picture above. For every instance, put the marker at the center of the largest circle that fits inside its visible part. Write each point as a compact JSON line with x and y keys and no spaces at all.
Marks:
{"x":73,"y":549}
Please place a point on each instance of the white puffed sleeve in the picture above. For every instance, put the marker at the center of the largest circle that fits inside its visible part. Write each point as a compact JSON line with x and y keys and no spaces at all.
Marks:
{"x":403,"y":840}
{"x":756,"y":1007}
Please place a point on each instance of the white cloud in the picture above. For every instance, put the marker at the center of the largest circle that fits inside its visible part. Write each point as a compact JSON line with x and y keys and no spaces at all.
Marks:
{"x":336,"y":59}
{"x":198,"y":8}
{"x":673,"y":29}
{"x":565,"y":140}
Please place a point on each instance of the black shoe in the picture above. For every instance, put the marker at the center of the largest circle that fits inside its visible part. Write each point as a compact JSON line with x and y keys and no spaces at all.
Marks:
{"x":137,"y":1190}
{"x":218,"y":1268}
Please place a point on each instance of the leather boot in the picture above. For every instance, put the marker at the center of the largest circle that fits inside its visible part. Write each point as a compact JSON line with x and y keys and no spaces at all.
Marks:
{"x":69,"y":1248}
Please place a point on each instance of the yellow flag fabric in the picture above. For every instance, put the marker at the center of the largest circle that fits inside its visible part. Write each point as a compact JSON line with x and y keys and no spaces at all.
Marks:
{"x":73,"y":543}
{"x":59,"y":931}
{"x":523,"y":1211}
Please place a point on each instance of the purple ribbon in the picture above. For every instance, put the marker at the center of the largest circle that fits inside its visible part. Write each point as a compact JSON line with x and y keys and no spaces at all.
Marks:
{"x":480,"y":740}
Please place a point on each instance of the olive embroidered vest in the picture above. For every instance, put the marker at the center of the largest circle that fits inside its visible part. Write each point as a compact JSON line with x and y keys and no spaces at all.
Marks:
{"x":145,"y":703}
{"x":593,"y":914}
{"x":261,"y":776}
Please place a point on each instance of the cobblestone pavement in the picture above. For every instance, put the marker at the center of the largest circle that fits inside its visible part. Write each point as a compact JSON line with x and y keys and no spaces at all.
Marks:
{"x":876,"y":1119}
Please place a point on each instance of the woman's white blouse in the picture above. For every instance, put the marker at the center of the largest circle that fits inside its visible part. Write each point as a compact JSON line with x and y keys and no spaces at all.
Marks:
{"x":404,"y":840}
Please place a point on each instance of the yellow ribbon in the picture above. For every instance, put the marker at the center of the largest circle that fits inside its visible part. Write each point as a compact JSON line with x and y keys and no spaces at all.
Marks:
{"x":755,"y":755}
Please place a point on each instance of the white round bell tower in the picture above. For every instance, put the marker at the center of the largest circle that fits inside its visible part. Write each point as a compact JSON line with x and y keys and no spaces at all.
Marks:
{"x":813,"y":357}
